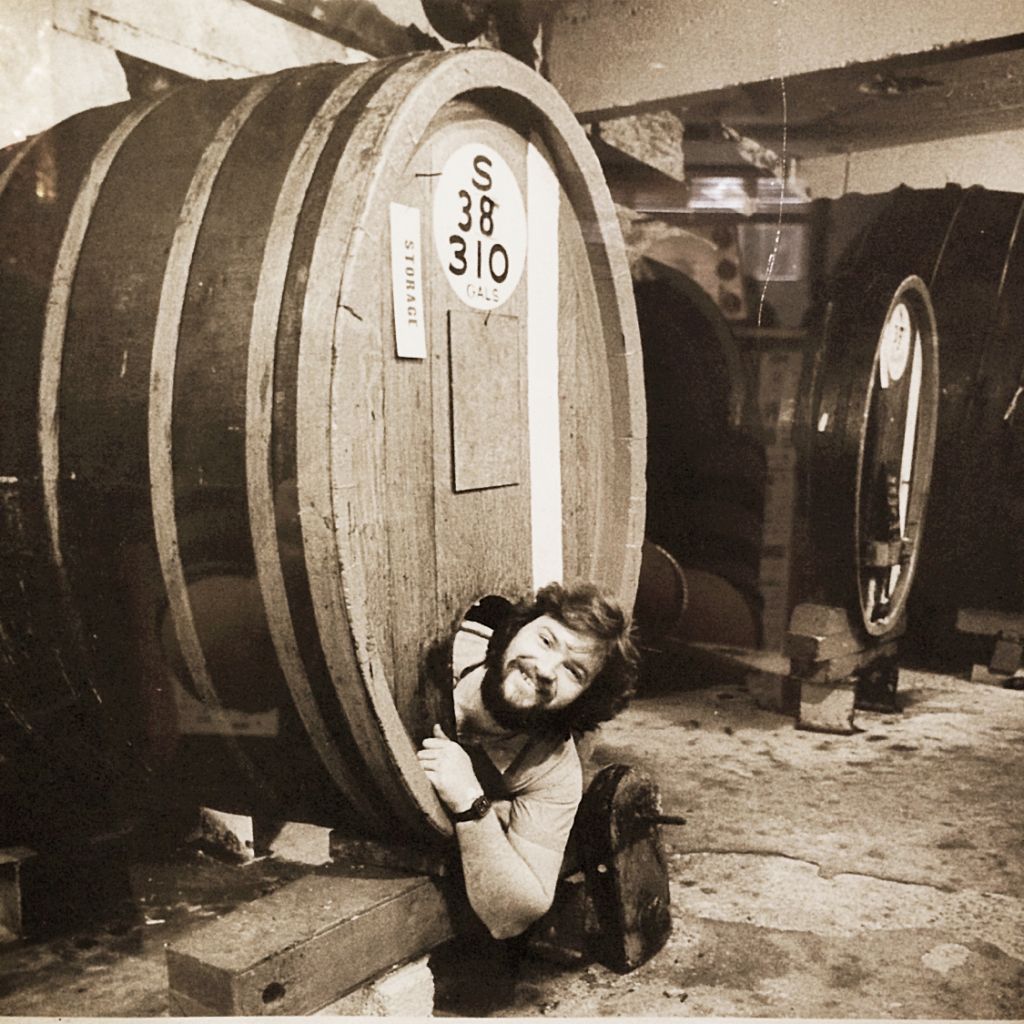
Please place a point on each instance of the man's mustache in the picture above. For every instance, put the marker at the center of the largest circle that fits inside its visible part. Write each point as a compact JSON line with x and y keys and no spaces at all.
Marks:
{"x":528,"y":668}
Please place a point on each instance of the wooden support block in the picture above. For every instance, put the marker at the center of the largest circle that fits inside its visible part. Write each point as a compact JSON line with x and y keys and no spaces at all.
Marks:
{"x":984,"y":674}
{"x":619,"y":843}
{"x":307,"y":944}
{"x":1006,"y":655}
{"x":819,"y":632}
{"x":229,"y":834}
{"x":406,"y":991}
{"x":827,"y":707}
{"x":12,"y":863}
{"x":834,"y":670}
{"x":49,"y":890}
{"x":293,"y":841}
{"x":984,"y":622}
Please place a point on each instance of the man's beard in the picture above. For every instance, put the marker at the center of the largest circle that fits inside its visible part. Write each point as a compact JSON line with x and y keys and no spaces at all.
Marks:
{"x":534,"y":719}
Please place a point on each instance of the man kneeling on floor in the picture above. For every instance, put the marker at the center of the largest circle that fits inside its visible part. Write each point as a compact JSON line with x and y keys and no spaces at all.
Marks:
{"x":551,"y":669}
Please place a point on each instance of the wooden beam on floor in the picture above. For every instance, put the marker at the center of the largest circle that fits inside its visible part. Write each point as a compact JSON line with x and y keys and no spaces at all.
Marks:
{"x":304,"y":946}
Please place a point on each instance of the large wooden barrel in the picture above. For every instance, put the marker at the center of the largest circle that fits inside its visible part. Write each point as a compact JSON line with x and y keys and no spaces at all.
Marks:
{"x":871,"y":418}
{"x":973,"y":555}
{"x":705,"y":473}
{"x":294,"y":369}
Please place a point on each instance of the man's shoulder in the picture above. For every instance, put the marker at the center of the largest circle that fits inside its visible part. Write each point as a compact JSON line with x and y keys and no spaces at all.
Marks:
{"x":469,"y":648}
{"x":550,"y":762}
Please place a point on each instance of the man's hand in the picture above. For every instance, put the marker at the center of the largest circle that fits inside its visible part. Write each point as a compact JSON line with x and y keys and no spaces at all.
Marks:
{"x":450,"y":771}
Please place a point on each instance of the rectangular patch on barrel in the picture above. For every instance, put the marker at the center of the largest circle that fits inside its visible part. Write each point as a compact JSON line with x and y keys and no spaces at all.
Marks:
{"x":407,"y":282}
{"x":487,"y":401}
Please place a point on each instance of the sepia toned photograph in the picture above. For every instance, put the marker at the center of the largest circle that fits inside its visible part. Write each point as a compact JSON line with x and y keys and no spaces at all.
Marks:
{"x":512,"y":508}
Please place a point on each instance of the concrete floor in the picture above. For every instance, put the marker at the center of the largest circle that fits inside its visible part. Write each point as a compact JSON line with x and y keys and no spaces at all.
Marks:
{"x":877,"y":875}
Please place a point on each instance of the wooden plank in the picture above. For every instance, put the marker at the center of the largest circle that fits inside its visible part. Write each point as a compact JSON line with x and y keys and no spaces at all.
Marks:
{"x":307,"y":944}
{"x":409,"y":485}
{"x":221,"y":38}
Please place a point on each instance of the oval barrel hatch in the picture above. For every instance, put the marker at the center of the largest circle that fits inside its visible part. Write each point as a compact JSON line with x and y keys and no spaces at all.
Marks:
{"x":295,"y":369}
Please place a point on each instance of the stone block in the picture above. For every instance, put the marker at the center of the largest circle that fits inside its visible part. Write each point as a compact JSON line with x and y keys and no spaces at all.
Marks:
{"x":405,"y":991}
{"x":827,"y":707}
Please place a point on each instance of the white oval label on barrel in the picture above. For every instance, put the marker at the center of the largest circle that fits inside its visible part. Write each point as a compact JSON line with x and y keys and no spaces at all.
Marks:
{"x":894,"y":347}
{"x":480,"y":226}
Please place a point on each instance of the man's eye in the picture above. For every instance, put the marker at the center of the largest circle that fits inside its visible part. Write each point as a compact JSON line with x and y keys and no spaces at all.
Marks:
{"x":545,"y":639}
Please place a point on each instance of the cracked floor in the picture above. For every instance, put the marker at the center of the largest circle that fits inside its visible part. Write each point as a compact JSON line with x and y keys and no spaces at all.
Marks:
{"x":876,"y":875}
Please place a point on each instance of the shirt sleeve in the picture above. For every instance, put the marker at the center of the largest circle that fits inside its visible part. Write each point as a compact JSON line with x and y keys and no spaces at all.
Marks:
{"x":546,"y":795}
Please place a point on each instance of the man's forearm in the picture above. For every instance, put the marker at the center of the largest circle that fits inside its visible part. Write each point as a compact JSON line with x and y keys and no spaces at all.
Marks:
{"x":507,"y":894}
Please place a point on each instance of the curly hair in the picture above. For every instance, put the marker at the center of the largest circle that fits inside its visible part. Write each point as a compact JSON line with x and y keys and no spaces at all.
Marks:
{"x":593,"y":613}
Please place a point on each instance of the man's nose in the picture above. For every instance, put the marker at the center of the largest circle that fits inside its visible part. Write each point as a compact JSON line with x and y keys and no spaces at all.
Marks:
{"x":547,"y":665}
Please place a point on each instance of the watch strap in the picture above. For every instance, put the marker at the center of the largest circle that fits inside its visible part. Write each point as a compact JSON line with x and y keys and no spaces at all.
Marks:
{"x":476,"y":810}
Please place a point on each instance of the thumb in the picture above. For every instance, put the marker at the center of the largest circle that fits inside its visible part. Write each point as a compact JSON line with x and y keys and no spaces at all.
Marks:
{"x":439,"y":733}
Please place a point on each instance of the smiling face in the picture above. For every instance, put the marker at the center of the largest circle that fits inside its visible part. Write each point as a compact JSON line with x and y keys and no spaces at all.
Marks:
{"x":547,"y":665}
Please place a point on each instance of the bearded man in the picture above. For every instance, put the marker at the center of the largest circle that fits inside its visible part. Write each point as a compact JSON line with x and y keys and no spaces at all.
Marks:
{"x":552,"y":669}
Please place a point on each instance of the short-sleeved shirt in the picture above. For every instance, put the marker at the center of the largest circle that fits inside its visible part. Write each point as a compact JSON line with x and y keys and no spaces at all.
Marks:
{"x":542,"y":776}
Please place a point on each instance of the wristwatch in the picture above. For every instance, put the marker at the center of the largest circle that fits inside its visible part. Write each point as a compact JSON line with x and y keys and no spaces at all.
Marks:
{"x":476,"y":810}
